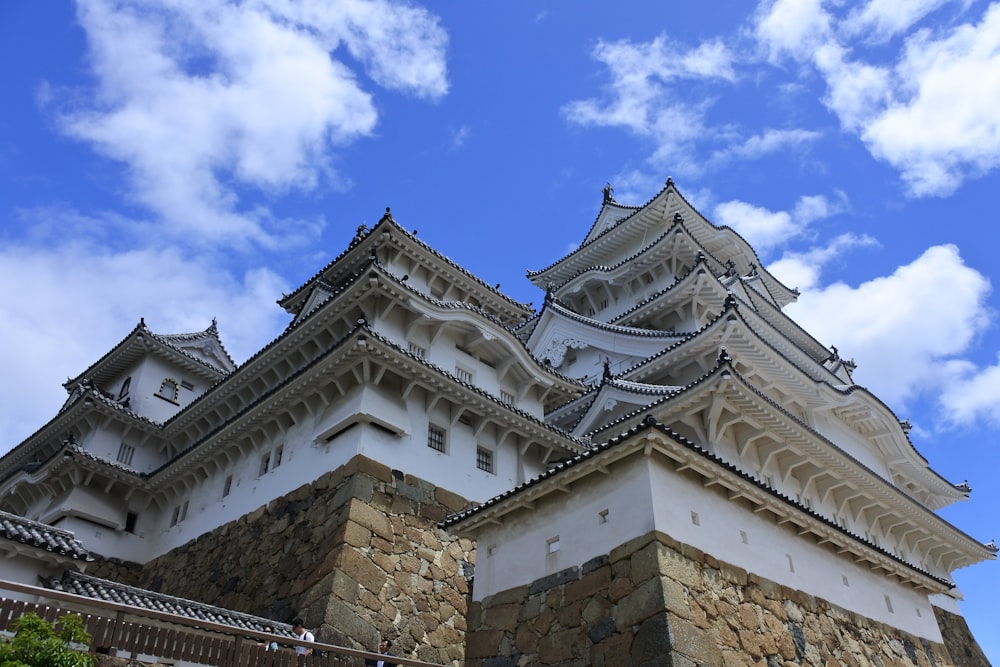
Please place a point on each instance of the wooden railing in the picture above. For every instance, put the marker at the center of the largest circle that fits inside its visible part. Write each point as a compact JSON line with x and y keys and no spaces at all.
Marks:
{"x":115,"y":628}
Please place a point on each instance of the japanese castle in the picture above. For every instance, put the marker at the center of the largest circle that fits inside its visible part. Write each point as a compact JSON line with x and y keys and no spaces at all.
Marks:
{"x":659,"y":389}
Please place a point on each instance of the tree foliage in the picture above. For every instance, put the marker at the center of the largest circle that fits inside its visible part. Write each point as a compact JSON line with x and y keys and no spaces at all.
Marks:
{"x":38,"y":643}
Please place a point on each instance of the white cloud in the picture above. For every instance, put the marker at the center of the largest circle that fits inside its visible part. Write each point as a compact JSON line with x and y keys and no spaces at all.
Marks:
{"x":904,"y":329}
{"x":928,"y":110}
{"x":765,"y":229}
{"x":946,"y":125}
{"x":882,"y":19}
{"x":642,"y":100}
{"x":792,"y":27}
{"x":770,"y":141}
{"x":971,"y":394}
{"x":802,"y":270}
{"x":76,"y":300}
{"x":213,"y":105}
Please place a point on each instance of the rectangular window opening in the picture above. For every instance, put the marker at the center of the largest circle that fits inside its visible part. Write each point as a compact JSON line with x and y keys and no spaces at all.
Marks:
{"x":484,"y":459}
{"x":227,"y":486}
{"x":278,"y":453}
{"x":130,"y":520}
{"x":265,"y":464}
{"x":125,"y":454}
{"x":435,"y":438}
{"x":552,"y":544}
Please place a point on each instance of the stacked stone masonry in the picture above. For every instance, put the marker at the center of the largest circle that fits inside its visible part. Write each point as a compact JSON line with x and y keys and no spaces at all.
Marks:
{"x":655,"y":601}
{"x":357,"y":553}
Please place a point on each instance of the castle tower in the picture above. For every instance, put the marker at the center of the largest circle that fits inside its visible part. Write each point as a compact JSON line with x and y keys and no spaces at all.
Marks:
{"x":739,"y":489}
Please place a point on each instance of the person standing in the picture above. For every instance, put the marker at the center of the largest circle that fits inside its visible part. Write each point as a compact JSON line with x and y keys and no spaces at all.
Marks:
{"x":299,"y":628}
{"x":385,"y":648}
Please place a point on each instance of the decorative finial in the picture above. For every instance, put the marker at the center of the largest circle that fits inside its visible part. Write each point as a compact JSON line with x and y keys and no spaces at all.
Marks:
{"x":609,"y":193}
{"x":670,"y":181}
{"x":678,"y":217}
{"x":607,"y":369}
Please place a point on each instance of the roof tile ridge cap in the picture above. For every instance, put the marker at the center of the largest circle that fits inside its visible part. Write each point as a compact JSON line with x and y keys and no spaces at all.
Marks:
{"x":455,"y":264}
{"x":608,"y":268}
{"x":363,"y":232}
{"x":19,"y":519}
{"x":362,"y":324}
{"x":685,"y":338}
{"x":138,"y":328}
{"x":892,"y":488}
{"x":149,"y":593}
{"x":617,"y":225}
{"x":676,"y":284}
{"x":476,"y":388}
{"x":601,"y":324}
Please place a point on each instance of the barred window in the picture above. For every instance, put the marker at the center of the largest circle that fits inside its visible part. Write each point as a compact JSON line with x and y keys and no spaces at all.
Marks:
{"x":125,"y":454}
{"x":506,"y":397}
{"x":435,"y":438}
{"x":417,"y":351}
{"x":463,"y":374}
{"x":484,"y":459}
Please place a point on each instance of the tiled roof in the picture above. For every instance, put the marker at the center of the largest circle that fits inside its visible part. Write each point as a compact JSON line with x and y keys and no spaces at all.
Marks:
{"x":103,"y":589}
{"x":43,"y":536}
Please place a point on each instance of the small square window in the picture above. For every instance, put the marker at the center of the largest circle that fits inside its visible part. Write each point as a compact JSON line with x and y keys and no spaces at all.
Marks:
{"x":484,"y":459}
{"x":435,"y":438}
{"x":552,"y":544}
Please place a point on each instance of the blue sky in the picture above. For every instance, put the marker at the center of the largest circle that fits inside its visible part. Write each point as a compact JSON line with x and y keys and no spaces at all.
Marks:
{"x":193,"y":159}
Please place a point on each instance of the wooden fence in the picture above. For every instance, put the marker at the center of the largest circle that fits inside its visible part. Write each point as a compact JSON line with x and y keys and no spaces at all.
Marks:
{"x":144,"y":633}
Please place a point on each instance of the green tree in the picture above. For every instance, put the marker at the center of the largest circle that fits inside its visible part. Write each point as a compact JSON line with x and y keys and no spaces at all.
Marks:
{"x":38,"y":643}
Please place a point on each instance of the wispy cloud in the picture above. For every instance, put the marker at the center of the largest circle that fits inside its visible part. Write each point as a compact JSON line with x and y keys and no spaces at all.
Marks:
{"x":214,"y":107}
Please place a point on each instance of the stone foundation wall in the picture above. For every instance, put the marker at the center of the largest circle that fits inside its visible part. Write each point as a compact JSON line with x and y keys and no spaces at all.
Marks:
{"x":655,"y":601}
{"x":357,"y":553}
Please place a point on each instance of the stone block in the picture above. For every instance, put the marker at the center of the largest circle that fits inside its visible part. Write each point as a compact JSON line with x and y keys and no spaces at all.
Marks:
{"x":596,"y":581}
{"x":502,"y":616}
{"x":360,"y":568}
{"x":483,"y":643}
{"x":375,"y":521}
{"x":561,"y":647}
{"x":696,"y":644}
{"x":644,"y":601}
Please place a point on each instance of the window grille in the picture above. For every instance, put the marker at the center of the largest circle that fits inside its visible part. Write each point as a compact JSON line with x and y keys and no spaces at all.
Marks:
{"x":506,"y":398}
{"x":484,"y":459}
{"x":125,"y":454}
{"x":463,"y":374}
{"x":435,"y":438}
{"x":417,"y":351}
